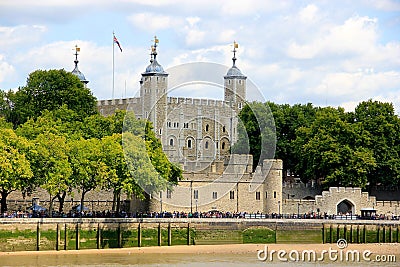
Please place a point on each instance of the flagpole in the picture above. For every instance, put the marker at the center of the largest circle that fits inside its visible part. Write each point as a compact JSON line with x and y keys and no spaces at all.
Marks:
{"x":113,"y":68}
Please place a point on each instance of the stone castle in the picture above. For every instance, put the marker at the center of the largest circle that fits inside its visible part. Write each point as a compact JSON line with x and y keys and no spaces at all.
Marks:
{"x":198,"y":135}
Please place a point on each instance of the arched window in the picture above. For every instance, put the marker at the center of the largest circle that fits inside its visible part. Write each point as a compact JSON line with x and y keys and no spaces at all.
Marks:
{"x":171,"y":142}
{"x":189,"y":143}
{"x":223,"y":145}
{"x":207,"y":126}
{"x":206,"y":145}
{"x":223,"y":129}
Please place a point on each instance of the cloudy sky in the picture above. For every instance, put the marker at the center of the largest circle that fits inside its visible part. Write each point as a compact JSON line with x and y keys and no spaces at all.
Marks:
{"x":335,"y":53}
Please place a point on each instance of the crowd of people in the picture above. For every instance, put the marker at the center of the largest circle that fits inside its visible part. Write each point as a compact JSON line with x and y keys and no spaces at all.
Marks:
{"x":176,"y":214}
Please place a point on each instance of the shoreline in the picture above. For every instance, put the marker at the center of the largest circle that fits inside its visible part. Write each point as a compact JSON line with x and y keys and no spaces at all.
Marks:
{"x":375,"y":248}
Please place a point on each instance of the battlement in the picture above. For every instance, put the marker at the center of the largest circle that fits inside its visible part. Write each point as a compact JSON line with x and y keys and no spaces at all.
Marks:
{"x":120,"y":101}
{"x":351,"y":190}
{"x":196,"y":101}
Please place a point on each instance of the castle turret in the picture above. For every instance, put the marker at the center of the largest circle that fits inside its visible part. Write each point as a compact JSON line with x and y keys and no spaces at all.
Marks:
{"x":235,"y":84}
{"x":76,"y":71}
{"x":272,"y":169}
{"x":153,"y":91}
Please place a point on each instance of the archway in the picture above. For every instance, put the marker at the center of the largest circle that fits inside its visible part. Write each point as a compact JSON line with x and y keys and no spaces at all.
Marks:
{"x":345,"y":207}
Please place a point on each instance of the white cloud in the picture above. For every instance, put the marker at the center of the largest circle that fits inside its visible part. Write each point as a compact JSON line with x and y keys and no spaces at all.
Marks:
{"x":309,"y":13}
{"x":7,"y":71}
{"x":20,"y":35}
{"x":153,"y":22}
{"x":356,"y":36}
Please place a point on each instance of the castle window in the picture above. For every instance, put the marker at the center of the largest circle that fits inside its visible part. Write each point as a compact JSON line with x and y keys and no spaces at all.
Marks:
{"x":206,"y":145}
{"x":169,"y":124}
{"x":240,"y":105}
{"x":171,"y":142}
{"x":168,"y":193}
{"x":266,"y":194}
{"x":207,"y":126}
{"x":196,"y":194}
{"x":214,"y":195}
{"x":160,"y":131}
{"x":160,"y":194}
{"x":189,"y":143}
{"x":258,"y":196}
{"x":274,"y":194}
{"x":216,"y":144}
{"x":223,"y":129}
{"x":223,"y":145}
{"x":232,"y":195}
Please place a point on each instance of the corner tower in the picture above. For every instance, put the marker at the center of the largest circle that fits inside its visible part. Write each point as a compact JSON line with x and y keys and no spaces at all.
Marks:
{"x":76,"y":71}
{"x":235,"y":85}
{"x":153,"y":91}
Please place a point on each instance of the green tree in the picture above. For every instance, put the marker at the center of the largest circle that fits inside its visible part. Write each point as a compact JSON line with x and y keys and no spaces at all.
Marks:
{"x":334,"y":151}
{"x":89,"y":171}
{"x":287,"y":120}
{"x":49,"y":90}
{"x":15,"y":170}
{"x":380,"y":121}
{"x":256,"y":133}
{"x":50,"y":164}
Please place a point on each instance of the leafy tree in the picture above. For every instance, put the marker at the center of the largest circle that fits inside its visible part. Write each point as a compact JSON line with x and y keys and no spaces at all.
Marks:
{"x":380,"y":121}
{"x":333,"y":150}
{"x":287,"y":120}
{"x":50,"y":164}
{"x":49,"y":90}
{"x":89,"y":171}
{"x":15,"y":170}
{"x":256,"y":133}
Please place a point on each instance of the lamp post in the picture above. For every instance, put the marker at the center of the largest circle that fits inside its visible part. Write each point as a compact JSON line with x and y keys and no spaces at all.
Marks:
{"x":298,"y":210}
{"x":279,"y":208}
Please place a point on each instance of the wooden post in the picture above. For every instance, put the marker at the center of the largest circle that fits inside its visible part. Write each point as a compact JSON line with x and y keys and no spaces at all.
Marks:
{"x":330,"y":233}
{"x":323,"y":233}
{"x":390,"y":234}
{"x":98,"y":236}
{"x":337,"y":233}
{"x":169,"y":235}
{"x":77,"y":236}
{"x":159,"y":237}
{"x":188,"y":234}
{"x":397,"y":234}
{"x":119,"y":233}
{"x":38,"y":236}
{"x":58,"y":237}
{"x":139,"y":235}
{"x":351,"y":234}
{"x":364,"y":234}
{"x":65,"y":236}
{"x":358,"y":234}
{"x":378,"y":238}
{"x":384,"y":234}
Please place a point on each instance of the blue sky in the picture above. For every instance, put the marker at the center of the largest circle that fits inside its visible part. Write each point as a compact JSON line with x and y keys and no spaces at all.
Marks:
{"x":334,"y":53}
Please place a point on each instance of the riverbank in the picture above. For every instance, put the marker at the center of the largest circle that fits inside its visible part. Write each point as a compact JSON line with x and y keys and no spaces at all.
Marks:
{"x":387,"y":248}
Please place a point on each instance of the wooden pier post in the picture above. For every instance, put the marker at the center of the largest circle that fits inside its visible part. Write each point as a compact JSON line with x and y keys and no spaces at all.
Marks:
{"x":139,"y":235}
{"x":188,"y":234}
{"x":58,"y":237}
{"x":77,"y":236}
{"x":119,"y":235}
{"x":159,"y":239}
{"x":38,"y":236}
{"x":98,"y":241}
{"x":65,"y":237}
{"x":323,"y":233}
{"x":330,"y":233}
{"x":169,"y":235}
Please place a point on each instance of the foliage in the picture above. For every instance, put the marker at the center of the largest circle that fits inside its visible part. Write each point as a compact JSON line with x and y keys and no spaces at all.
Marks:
{"x":15,"y":170}
{"x":49,"y":90}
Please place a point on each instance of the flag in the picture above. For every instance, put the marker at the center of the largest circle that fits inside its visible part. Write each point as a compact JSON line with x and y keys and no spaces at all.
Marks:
{"x":116,"y":41}
{"x":235,"y":45}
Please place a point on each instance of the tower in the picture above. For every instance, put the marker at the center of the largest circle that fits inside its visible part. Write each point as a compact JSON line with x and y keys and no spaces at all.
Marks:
{"x":272,"y":169}
{"x":235,"y":84}
{"x":153,"y":91}
{"x":234,"y":94}
{"x":76,"y":71}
